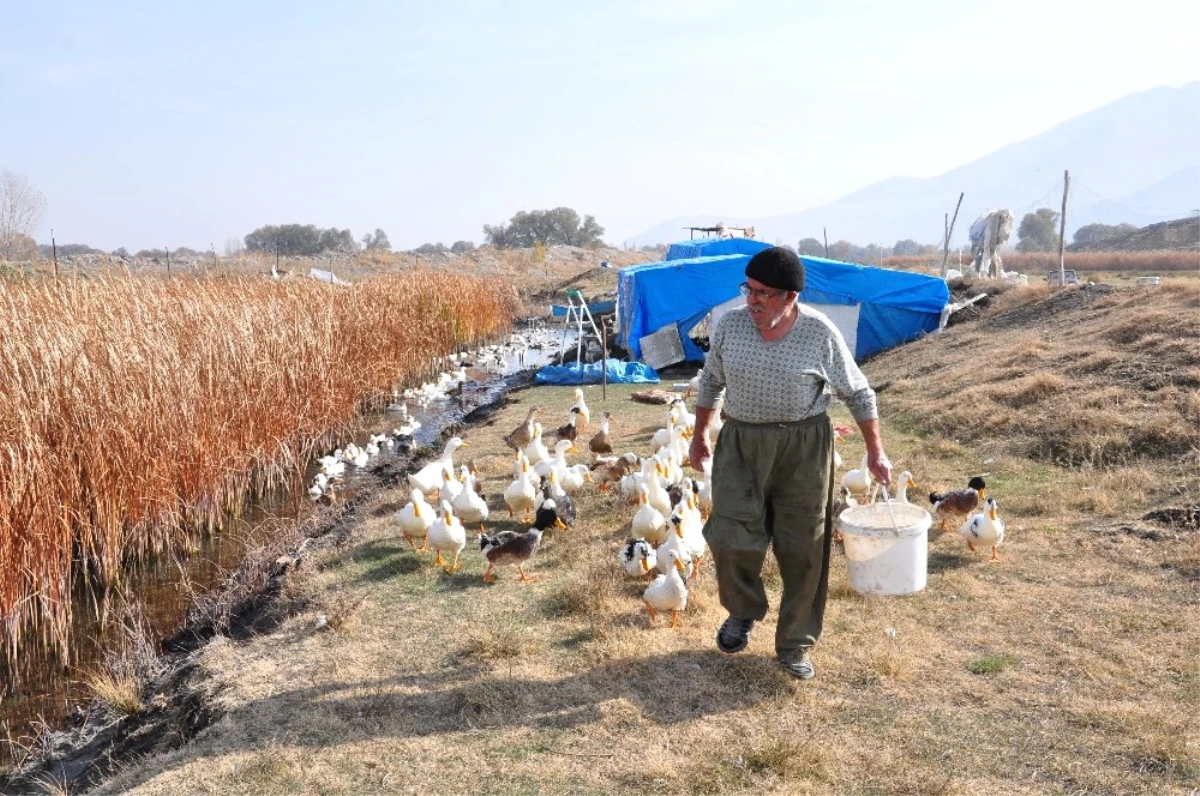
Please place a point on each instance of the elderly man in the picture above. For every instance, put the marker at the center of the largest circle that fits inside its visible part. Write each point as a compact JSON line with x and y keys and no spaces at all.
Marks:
{"x":772,"y":479}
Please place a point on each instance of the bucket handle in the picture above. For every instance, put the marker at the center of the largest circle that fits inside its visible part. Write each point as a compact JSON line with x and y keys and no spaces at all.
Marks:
{"x":887,"y":500}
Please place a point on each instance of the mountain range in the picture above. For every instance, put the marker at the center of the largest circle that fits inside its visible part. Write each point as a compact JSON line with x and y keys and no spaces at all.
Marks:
{"x":1135,"y":160}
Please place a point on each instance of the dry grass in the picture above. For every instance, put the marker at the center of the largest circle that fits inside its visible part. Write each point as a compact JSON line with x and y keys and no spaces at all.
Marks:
{"x":138,"y":410}
{"x":120,"y":693}
{"x":1086,"y":264}
{"x":1066,"y":667}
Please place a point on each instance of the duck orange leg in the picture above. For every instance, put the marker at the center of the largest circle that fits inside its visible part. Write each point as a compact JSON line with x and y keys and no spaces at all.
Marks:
{"x":437,"y":559}
{"x":410,"y":541}
{"x":489,"y":576}
{"x":454,"y":565}
{"x":674,"y":618}
{"x":995,"y":555}
{"x":525,"y":578}
{"x":650,"y":608}
{"x":971,"y":545}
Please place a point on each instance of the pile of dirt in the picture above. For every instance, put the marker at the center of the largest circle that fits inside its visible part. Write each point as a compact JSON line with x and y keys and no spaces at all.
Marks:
{"x":1182,"y":233}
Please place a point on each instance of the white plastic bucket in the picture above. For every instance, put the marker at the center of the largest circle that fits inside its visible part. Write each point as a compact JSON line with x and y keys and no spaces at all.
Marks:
{"x":882,"y":559}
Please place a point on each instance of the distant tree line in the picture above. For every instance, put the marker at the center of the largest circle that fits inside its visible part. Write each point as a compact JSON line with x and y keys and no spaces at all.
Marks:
{"x":849,"y":252}
{"x":459,"y":247}
{"x":299,"y":240}
{"x":560,"y":226}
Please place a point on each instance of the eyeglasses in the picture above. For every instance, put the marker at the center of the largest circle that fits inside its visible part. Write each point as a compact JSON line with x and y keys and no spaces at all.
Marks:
{"x":759,"y":293}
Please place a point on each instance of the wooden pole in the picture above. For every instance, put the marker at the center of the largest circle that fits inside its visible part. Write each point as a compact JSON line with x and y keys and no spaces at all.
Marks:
{"x":950,"y":231}
{"x":604,"y":360}
{"x":54,"y":252}
{"x":168,"y":251}
{"x":1062,"y":232}
{"x":825,"y":235}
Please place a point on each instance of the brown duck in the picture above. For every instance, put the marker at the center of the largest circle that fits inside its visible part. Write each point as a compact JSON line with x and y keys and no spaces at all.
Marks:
{"x":569,"y":430}
{"x":601,"y":444}
{"x":510,"y":547}
{"x":960,"y":502}
{"x":522,"y":434}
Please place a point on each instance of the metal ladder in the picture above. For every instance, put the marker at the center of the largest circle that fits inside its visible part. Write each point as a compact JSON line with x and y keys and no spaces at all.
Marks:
{"x":576,"y":314}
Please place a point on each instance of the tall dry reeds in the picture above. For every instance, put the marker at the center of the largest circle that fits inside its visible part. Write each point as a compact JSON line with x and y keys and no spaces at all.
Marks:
{"x":132,"y":410}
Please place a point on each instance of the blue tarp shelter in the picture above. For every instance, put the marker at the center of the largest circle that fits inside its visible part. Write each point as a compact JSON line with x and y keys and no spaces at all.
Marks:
{"x":711,"y":247}
{"x":876,"y":308}
{"x":589,"y":373}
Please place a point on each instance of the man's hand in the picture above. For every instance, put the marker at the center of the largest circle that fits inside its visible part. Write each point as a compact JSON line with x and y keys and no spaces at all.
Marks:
{"x":700,"y":452}
{"x":880,"y":467}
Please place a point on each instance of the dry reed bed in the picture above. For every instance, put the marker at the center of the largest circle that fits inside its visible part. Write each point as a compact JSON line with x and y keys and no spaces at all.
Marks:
{"x":136,"y":411}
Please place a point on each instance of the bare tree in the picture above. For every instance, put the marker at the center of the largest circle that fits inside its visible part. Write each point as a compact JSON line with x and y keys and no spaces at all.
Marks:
{"x":22,"y":206}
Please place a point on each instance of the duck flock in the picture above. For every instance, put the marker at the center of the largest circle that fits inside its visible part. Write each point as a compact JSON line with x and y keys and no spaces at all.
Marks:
{"x":456,"y":370}
{"x":668,"y":507}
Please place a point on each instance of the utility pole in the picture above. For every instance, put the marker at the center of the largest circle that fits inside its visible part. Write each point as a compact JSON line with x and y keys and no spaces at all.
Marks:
{"x":949,"y":232}
{"x":54,"y":252}
{"x":1062,"y":231}
{"x":825,"y":235}
{"x":167,"y":249}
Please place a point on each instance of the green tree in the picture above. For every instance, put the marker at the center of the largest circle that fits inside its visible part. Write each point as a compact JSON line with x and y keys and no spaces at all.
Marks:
{"x":1038,"y":231}
{"x":431,"y":248}
{"x":298,"y":240}
{"x":377,"y":241}
{"x":811,"y":247}
{"x":560,"y":226}
{"x":462,"y":247}
{"x":1098,"y":233}
{"x":906,"y":247}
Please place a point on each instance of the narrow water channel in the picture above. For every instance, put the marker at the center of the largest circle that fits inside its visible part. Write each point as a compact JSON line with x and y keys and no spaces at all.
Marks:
{"x":43,"y":690}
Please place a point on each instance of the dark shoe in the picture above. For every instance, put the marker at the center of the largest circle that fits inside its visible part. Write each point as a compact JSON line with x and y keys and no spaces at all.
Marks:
{"x":801,"y":669}
{"x":734,"y":634}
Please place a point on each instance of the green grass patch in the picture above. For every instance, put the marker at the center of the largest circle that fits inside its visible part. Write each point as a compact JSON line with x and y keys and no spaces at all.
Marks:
{"x":992,"y":664}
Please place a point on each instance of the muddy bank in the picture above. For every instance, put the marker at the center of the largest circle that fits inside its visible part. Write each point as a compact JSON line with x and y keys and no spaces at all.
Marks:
{"x":180,"y":700}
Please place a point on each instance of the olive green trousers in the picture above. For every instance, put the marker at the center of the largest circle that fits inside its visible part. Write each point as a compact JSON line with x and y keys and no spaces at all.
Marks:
{"x":772,"y":486}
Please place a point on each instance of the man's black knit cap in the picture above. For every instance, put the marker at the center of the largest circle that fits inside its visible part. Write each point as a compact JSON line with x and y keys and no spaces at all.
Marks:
{"x":777,"y":267}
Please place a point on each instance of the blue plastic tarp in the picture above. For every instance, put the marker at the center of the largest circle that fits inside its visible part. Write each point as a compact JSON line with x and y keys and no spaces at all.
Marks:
{"x":589,"y":373}
{"x":894,"y":306}
{"x":712,"y":247}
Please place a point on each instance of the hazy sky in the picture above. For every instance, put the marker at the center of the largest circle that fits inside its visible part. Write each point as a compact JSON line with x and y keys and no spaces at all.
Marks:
{"x":188,"y":123}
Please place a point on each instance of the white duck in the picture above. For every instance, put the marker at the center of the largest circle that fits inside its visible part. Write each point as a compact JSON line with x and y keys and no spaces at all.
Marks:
{"x":674,"y":544}
{"x":415,"y":519}
{"x":984,"y":528}
{"x":668,"y":592}
{"x":657,"y":493}
{"x":429,"y":478}
{"x":447,"y":535}
{"x":536,"y":451}
{"x":585,"y":414}
{"x":692,"y":524}
{"x":556,"y":462}
{"x":638,"y":558}
{"x":859,"y":481}
{"x":451,"y":487}
{"x":704,"y":491}
{"x":469,"y":506}
{"x":903,"y":484}
{"x":648,"y":523}
{"x":575,"y":477}
{"x":521,"y":494}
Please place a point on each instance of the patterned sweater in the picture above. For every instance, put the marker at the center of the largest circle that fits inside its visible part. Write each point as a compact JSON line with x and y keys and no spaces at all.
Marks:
{"x":785,"y":380}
